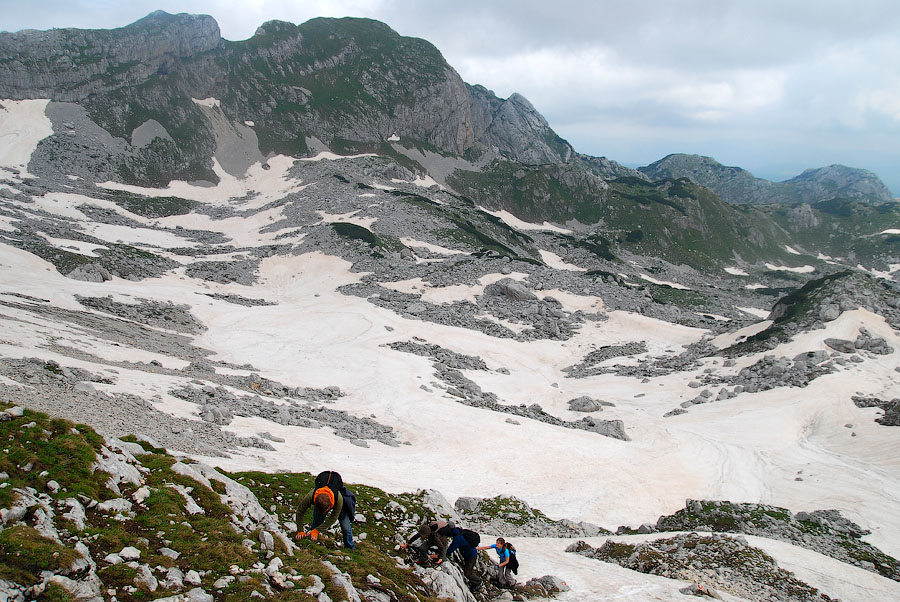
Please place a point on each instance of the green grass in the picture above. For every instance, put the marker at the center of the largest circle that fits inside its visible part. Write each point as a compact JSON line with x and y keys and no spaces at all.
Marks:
{"x":665,"y":294}
{"x":206,"y":542}
{"x":52,"y":444}
{"x":672,"y":219}
{"x":24,"y":553}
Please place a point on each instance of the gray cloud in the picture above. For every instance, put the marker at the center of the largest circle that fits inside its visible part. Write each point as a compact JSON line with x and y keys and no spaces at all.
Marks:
{"x":768,"y":85}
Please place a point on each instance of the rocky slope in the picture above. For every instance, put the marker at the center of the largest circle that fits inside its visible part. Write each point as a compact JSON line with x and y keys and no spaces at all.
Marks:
{"x":87,"y":518}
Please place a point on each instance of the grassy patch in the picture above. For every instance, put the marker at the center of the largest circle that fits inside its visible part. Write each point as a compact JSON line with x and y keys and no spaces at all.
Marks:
{"x":58,"y":446}
{"x":24,"y":553}
{"x":662,"y":293}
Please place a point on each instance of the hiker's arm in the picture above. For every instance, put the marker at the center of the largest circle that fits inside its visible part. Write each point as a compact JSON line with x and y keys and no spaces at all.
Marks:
{"x":453,"y":545}
{"x":412,"y":539}
{"x":304,"y":505}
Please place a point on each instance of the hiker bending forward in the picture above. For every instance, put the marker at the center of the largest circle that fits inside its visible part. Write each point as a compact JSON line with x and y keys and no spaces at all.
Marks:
{"x":434,"y":533}
{"x":469,"y":553}
{"x":327,"y":499}
{"x":504,"y":554}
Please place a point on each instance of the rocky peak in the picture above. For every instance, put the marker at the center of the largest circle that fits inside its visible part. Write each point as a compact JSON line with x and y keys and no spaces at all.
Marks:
{"x":275,"y":27}
{"x":840,"y":181}
{"x":70,"y":64}
{"x":515,"y":128}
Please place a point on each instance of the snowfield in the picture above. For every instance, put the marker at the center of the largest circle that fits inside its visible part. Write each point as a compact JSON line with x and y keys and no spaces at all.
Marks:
{"x":751,"y":448}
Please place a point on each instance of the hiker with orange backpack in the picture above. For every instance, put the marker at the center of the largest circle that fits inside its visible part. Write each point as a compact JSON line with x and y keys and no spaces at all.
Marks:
{"x":328,"y":494}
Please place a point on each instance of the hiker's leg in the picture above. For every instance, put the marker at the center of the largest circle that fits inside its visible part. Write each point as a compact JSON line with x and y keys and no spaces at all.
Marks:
{"x":422,"y":550}
{"x":347,"y":531}
{"x":469,"y":572}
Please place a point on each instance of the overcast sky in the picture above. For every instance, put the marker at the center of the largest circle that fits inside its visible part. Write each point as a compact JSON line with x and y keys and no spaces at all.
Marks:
{"x":772,"y":86}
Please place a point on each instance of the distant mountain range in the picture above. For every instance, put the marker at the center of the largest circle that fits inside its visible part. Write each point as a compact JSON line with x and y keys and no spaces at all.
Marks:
{"x":160,"y":99}
{"x":739,"y":186}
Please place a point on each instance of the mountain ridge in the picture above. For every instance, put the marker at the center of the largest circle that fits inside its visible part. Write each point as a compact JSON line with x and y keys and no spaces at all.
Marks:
{"x":141,"y":113}
{"x":739,"y":186}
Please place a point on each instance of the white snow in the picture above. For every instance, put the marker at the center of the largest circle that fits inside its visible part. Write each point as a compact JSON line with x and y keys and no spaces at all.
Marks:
{"x":890,"y":231}
{"x":393,"y":138}
{"x":421,"y":181}
{"x":888,"y":275}
{"x":555,"y":261}
{"x":249,"y":123}
{"x":350,"y":218}
{"x":327,"y":155}
{"x":749,"y":448}
{"x":736,"y":272}
{"x":208,"y":102}
{"x":753,"y":311}
{"x":792,"y":250}
{"x":754,"y":286}
{"x":805,"y":269}
{"x":23,"y":125}
{"x":609,"y":581}
{"x":672,"y":284}
{"x":512,"y":220}
{"x":730,"y":338}
{"x":412,"y":243}
{"x":266,"y":185}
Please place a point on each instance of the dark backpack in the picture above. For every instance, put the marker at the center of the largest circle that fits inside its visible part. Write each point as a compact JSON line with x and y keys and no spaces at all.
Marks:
{"x":446,"y":530}
{"x":513,"y":561}
{"x":349,"y":509}
{"x":329,"y":479}
{"x":472,"y":537}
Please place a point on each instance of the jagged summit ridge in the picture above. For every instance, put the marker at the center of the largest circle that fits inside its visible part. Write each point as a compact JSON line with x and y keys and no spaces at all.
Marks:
{"x":339,"y":81}
{"x":70,"y":64}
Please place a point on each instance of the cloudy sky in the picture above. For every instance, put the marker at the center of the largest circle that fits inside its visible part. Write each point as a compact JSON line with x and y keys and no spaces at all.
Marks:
{"x":772,"y":86}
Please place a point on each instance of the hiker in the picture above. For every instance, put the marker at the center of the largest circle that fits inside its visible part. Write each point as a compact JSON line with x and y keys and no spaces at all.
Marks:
{"x":466,"y":541}
{"x":506,"y":554}
{"x":435,"y":533}
{"x":328,"y":494}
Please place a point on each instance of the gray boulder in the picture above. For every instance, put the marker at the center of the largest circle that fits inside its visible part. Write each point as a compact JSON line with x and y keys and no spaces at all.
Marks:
{"x":90,"y":272}
{"x":467,"y":504}
{"x":841,"y":345}
{"x":585,"y":404}
{"x":511,"y":289}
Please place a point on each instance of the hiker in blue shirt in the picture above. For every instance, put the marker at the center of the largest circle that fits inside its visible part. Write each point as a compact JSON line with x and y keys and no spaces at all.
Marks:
{"x":504,"y":552}
{"x":466,"y":541}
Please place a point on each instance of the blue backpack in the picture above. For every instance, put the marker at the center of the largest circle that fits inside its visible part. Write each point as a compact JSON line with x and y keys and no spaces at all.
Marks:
{"x":349,"y":509}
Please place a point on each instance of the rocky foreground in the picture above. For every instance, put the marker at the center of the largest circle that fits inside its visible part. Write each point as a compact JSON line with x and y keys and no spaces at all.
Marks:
{"x":84,"y":518}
